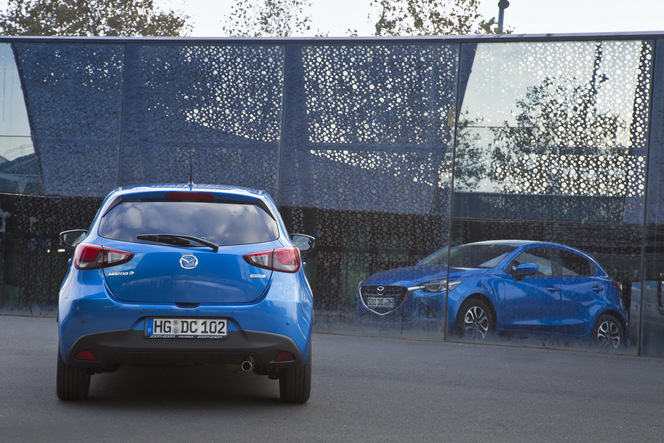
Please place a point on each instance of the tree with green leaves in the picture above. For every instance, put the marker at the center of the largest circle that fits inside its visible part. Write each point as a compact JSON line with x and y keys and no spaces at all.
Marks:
{"x":430,"y":17}
{"x":268,"y":18}
{"x":126,"y":18}
{"x":559,"y":121}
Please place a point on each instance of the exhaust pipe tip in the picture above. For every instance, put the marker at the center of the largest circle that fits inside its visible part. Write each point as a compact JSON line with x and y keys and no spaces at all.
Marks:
{"x":247,"y":364}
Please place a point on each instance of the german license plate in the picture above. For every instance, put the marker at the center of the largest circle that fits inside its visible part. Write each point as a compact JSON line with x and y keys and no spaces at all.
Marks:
{"x":381,"y":302}
{"x":186,"y":327}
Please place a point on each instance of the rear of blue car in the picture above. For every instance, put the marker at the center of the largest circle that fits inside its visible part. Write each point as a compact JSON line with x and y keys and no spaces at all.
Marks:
{"x":179,"y":275}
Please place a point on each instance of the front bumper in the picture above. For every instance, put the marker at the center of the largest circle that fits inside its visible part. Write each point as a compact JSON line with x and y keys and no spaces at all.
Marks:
{"x":417,"y":307}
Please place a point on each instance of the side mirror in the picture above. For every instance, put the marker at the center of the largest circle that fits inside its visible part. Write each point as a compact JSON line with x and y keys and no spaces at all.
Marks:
{"x":305,"y":243}
{"x":525,"y":269}
{"x":69,"y":239}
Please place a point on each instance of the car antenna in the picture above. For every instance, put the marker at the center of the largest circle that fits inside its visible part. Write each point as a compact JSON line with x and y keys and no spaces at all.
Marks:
{"x":191,"y":177}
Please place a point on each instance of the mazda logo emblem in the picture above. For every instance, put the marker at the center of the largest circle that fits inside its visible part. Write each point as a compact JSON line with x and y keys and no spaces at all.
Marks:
{"x":188,"y":262}
{"x":380,"y":290}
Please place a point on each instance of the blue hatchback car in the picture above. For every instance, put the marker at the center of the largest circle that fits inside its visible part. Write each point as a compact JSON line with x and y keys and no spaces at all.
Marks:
{"x":183,"y":275}
{"x":506,"y":285}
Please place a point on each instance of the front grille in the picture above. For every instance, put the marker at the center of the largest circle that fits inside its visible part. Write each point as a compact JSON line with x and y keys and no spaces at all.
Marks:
{"x":383,"y":299}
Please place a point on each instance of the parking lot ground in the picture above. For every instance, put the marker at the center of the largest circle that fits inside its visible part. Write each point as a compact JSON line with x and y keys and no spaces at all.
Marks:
{"x":364,"y":389}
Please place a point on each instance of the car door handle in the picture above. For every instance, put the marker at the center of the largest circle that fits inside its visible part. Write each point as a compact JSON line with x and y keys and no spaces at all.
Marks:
{"x":552,"y":289}
{"x":597,"y":289}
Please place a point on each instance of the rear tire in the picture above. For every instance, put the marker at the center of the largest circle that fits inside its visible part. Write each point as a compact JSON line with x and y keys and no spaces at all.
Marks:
{"x":295,"y":383}
{"x":608,"y":333}
{"x":72,"y":383}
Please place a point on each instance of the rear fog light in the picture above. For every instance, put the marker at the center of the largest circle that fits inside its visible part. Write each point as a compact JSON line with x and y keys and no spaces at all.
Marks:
{"x":85,"y":356}
{"x":285,"y":356}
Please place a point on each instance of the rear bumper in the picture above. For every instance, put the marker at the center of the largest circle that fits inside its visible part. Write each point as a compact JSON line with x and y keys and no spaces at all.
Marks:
{"x":90,"y":319}
{"x":114,"y":348}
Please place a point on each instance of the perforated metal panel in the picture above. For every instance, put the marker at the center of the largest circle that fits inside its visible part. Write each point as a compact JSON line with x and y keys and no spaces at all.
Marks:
{"x":386,"y":150}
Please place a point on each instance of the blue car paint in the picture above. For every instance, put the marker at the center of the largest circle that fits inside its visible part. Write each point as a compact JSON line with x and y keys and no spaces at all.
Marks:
{"x":155,"y":275}
{"x":88,"y":305}
{"x":525,"y":305}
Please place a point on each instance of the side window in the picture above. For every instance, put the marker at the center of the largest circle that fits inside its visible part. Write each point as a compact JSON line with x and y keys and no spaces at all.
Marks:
{"x":536,"y":256}
{"x":574,"y":265}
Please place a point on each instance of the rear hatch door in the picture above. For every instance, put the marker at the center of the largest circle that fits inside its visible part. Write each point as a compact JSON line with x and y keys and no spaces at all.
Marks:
{"x":162,"y":274}
{"x":188,"y":247}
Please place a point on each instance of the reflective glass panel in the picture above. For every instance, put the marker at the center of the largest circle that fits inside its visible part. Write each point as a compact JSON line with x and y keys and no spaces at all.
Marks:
{"x":551,"y":146}
{"x":19,"y":169}
{"x":367,"y":170}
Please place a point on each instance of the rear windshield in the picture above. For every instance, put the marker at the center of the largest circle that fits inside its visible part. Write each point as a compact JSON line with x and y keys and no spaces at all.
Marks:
{"x":220,"y":223}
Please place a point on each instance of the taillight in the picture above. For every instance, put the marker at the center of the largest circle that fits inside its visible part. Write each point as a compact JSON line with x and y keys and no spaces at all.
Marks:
{"x":282,"y":259}
{"x":618,"y":286}
{"x":89,"y":256}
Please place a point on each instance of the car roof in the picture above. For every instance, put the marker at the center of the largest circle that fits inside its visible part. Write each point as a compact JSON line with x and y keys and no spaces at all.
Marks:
{"x":181,"y":187}
{"x":519,"y":243}
{"x":223,"y":192}
{"x":507,"y":242}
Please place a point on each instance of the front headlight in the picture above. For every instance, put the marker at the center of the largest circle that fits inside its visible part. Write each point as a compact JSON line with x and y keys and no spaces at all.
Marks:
{"x":437,"y":286}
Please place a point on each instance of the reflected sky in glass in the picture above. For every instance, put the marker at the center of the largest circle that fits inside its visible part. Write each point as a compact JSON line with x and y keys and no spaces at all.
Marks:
{"x":555,"y":118}
{"x":15,"y":141}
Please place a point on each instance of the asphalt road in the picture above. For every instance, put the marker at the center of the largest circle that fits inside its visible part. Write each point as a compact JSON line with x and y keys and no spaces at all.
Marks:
{"x":364,"y":390}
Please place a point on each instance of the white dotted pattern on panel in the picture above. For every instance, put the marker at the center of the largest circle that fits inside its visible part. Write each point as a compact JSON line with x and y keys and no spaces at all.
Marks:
{"x":234,"y":89}
{"x":379,"y":94}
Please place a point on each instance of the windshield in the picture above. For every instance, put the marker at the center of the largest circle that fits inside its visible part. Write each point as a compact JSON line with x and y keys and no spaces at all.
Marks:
{"x":216,"y":222}
{"x":470,"y":256}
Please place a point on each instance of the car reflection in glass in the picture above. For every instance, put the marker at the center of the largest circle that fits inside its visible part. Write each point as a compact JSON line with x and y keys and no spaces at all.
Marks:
{"x":501,"y":286}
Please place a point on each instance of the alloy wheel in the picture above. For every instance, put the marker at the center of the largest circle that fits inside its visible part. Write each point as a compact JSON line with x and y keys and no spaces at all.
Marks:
{"x":609,"y":334}
{"x":476,"y":323}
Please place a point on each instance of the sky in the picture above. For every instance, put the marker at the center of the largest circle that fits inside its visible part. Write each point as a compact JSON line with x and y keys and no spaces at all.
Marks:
{"x":335,"y":17}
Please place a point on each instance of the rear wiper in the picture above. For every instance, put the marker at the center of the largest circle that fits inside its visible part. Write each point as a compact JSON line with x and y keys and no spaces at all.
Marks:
{"x":177,"y":240}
